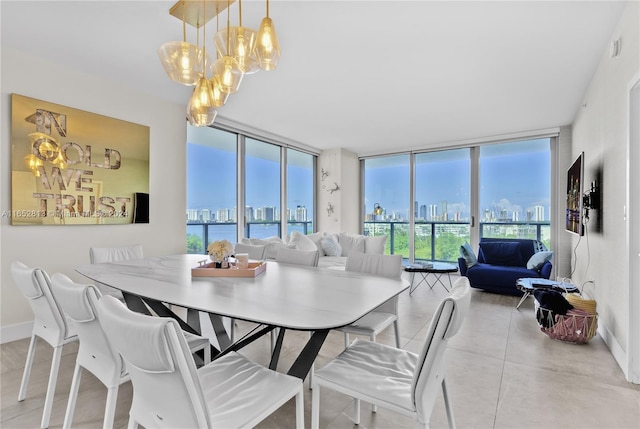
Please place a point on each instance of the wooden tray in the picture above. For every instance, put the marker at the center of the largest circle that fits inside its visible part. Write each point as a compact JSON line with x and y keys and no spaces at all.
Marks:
{"x":207,"y":270}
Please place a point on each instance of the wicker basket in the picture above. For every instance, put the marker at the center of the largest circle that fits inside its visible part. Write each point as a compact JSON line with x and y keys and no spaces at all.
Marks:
{"x":576,"y":327}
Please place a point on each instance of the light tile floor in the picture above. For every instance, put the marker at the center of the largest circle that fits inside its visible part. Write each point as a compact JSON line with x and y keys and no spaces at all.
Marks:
{"x":503,"y":373}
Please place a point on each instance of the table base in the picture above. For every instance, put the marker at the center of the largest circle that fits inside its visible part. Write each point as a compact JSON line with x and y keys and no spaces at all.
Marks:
{"x":425,"y":279}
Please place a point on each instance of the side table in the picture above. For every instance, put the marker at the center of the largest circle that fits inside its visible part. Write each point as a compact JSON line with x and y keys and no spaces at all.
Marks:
{"x":530,"y":284}
{"x":434,"y":269}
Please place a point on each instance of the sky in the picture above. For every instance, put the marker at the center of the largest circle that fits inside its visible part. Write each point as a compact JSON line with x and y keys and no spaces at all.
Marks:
{"x":513,"y":177}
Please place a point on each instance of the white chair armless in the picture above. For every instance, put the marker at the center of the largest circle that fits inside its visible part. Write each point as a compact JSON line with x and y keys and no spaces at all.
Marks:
{"x":169,"y":392}
{"x":396,"y":379}
{"x":49,"y":324}
{"x":95,"y":354}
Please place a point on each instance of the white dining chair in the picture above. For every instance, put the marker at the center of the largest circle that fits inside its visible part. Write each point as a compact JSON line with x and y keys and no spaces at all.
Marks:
{"x":95,"y":354}
{"x":255,"y":251}
{"x":386,"y":314}
{"x":307,"y":258}
{"x":98,"y":255}
{"x":125,"y":253}
{"x":396,"y":379}
{"x":49,"y":323}
{"x":168,"y":390}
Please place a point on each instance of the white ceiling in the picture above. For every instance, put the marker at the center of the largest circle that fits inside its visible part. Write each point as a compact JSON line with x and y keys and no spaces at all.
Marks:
{"x":368,"y":76}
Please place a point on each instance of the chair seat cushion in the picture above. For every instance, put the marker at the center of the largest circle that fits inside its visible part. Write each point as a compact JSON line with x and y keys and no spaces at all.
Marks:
{"x":371,"y":323}
{"x":381,"y":372}
{"x":235,"y":389}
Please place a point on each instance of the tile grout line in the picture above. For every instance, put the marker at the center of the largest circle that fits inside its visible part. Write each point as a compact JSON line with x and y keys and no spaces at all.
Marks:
{"x":504,"y":361}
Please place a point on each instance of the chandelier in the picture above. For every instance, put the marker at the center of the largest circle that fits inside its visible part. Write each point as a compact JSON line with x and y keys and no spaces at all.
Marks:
{"x":238,"y":51}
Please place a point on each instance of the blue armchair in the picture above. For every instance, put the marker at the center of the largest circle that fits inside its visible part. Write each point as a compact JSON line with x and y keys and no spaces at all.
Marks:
{"x":501,"y":261}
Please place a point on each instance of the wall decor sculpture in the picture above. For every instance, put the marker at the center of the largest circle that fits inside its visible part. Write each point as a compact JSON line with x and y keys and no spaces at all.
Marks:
{"x":71,"y":167}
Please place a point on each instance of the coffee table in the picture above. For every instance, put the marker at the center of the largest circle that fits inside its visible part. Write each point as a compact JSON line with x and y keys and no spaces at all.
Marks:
{"x":530,"y":284}
{"x":429,"y":270}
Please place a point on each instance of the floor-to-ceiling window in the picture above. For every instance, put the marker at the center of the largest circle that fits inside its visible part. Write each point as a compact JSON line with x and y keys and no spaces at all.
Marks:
{"x":514,"y":190}
{"x":211,"y":187}
{"x":262,"y":189}
{"x":442,"y":204}
{"x":237,"y":180}
{"x":300,"y":205}
{"x":387,"y":201}
{"x":459,"y":195}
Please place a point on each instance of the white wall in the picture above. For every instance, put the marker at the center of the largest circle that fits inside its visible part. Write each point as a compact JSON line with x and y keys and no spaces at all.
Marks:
{"x":600,"y":130}
{"x":61,"y":248}
{"x":343,"y":168}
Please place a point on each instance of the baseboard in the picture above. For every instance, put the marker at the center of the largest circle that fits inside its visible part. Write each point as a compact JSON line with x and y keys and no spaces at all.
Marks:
{"x":616,"y":350}
{"x":15,"y":332}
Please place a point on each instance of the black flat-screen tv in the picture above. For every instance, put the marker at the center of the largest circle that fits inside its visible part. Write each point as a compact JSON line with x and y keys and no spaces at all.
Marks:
{"x":575,"y":192}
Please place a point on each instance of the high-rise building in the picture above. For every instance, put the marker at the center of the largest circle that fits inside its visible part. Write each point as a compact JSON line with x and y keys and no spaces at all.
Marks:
{"x":222,"y":215}
{"x":423,"y":212}
{"x":301,"y":214}
{"x":443,"y":209}
{"x":206,"y":215}
{"x":433,"y":212}
{"x":248,"y":214}
{"x":538,"y":215}
{"x":192,"y":215}
{"x":268,"y":214}
{"x":515,"y":216}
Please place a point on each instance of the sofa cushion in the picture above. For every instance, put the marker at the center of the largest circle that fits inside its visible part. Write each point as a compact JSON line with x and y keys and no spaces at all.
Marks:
{"x":375,"y":245}
{"x":498,"y":278}
{"x":351,"y":243}
{"x":502,"y":253}
{"x":538,"y":259}
{"x":330,"y":245}
{"x":316,"y":237}
{"x":466,"y":252}
{"x":302,"y":242}
{"x":272,"y":243}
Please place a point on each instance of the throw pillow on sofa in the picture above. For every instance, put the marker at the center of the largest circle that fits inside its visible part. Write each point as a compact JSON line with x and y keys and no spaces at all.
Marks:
{"x":351,"y":243}
{"x":466,"y":252}
{"x":501,"y":253}
{"x":375,"y":245}
{"x":537,"y":260}
{"x":302,"y":242}
{"x":330,"y":245}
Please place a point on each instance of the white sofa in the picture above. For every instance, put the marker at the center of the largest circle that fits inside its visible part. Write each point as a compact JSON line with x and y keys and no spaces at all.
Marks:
{"x":333,"y":247}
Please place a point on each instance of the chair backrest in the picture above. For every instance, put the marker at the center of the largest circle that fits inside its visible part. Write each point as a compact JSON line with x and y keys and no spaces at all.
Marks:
{"x":166,"y":389}
{"x":431,"y":366}
{"x":298,"y":257}
{"x":49,"y":322}
{"x":115,"y":254}
{"x":379,"y":265}
{"x":79,"y":302}
{"x":255,"y":251}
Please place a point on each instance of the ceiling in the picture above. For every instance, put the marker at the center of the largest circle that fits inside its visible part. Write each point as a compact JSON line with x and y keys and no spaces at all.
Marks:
{"x":368,"y":76}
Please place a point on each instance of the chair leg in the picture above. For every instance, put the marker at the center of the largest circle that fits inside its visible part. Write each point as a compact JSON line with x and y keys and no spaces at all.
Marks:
{"x":27,"y":369}
{"x":110,"y":408}
{"x":315,"y":407}
{"x":73,"y":395}
{"x":447,"y":404}
{"x":207,"y":354}
{"x":133,"y":424}
{"x":397,"y":333}
{"x":300,"y":409}
{"x":356,"y":411}
{"x":312,"y":369}
{"x":51,"y":389}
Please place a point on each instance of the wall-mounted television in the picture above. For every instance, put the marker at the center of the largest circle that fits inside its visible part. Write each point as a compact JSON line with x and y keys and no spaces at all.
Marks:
{"x":575,"y":191}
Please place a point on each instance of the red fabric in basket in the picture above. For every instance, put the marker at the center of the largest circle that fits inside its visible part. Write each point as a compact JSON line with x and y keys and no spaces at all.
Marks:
{"x":572,"y":327}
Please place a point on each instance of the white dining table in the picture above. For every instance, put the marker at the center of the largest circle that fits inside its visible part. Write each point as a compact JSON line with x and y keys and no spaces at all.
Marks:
{"x":284,"y":296}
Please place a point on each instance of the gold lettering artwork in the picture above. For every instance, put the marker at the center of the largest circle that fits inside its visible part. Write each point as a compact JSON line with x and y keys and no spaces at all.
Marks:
{"x":70,"y":172}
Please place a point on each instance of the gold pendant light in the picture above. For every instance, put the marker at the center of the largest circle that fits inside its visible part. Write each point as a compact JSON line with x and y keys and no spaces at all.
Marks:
{"x":182,"y":61}
{"x":201,"y":111}
{"x":227,"y":67}
{"x":239,"y":43}
{"x":267,"y":46}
